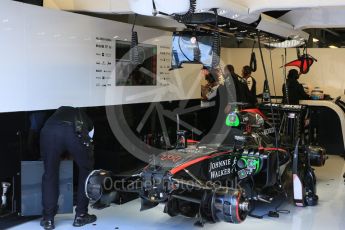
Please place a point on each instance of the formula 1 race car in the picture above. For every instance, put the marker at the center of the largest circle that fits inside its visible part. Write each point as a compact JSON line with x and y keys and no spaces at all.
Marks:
{"x":217,"y":183}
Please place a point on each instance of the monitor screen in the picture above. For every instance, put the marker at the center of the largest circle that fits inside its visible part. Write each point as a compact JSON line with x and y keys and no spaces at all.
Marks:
{"x":128,"y":74}
{"x":191,"y":47}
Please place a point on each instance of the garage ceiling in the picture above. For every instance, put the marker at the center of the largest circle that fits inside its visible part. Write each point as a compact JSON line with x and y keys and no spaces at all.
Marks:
{"x":323,"y":20}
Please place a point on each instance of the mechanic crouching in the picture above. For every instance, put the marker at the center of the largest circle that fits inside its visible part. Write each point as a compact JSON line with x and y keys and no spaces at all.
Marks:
{"x":69,"y":130}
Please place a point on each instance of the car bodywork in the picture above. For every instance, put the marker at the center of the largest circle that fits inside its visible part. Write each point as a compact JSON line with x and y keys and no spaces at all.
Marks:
{"x":217,"y":183}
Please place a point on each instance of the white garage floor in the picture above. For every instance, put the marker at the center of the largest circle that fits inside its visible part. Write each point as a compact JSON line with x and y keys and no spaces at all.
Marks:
{"x":329,"y":214}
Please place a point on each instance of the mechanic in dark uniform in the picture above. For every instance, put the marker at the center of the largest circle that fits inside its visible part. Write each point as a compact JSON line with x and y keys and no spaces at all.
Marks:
{"x":295,"y":89}
{"x":251,"y":83}
{"x":68,"y":129}
{"x":241,"y":87}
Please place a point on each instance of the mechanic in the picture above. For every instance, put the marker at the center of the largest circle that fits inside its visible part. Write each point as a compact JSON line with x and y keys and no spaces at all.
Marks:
{"x":241,"y":87}
{"x":251,"y":82}
{"x":209,"y":91}
{"x":295,"y":89}
{"x":210,"y":98}
{"x":68,"y":129}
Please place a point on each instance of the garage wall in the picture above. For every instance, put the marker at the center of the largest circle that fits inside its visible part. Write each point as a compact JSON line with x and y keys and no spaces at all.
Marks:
{"x":328,"y":72}
{"x":51,"y":58}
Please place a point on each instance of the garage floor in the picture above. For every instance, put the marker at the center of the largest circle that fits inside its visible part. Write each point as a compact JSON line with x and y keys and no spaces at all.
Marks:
{"x":329,"y":214}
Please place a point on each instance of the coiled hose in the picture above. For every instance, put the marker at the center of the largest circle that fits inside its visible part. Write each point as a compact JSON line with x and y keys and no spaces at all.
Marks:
{"x":134,"y":53}
{"x":216,"y":49}
{"x":184,"y":18}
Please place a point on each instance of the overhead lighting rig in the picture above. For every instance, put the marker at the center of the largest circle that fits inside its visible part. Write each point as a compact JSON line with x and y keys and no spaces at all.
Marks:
{"x":227,"y":22}
{"x":206,"y":21}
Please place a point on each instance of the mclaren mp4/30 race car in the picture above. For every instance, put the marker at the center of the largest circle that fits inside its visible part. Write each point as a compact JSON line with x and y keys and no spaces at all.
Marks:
{"x":218,"y":183}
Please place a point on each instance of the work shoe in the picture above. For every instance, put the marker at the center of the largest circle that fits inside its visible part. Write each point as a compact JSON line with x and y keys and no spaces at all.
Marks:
{"x":47,"y":224}
{"x":83,"y":219}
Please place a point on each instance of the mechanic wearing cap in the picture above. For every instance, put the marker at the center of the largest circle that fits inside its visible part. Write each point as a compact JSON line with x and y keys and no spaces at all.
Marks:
{"x":68,"y":129}
{"x":295,"y":89}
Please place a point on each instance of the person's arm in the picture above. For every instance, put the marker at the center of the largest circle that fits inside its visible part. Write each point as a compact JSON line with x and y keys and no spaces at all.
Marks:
{"x":254,"y":90}
{"x":302,"y":94}
{"x":246,"y":92}
{"x":88,"y":128}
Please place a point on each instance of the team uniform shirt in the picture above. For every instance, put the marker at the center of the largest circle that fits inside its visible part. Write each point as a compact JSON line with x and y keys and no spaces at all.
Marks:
{"x":249,"y":81}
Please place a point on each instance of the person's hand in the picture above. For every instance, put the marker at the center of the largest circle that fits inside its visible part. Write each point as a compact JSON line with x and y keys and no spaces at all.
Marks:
{"x":204,"y":72}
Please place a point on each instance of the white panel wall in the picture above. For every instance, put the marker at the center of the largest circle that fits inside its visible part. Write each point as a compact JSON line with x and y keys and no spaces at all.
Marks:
{"x":48,"y":59}
{"x":328,"y":72}
{"x":106,"y":6}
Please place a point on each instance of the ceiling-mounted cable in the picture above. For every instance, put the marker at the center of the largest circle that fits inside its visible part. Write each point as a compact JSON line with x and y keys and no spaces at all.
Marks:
{"x":134,"y":52}
{"x":272,"y":72}
{"x":269,"y":91}
{"x":183,"y":18}
{"x":272,"y":111}
{"x":285,"y":80}
{"x":154,"y":8}
{"x":134,"y":22}
{"x":216,"y":44}
{"x":298,"y":52}
{"x":252,"y":62}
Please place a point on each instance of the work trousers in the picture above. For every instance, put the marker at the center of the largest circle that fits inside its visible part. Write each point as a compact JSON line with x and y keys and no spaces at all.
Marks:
{"x":56,"y":139}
